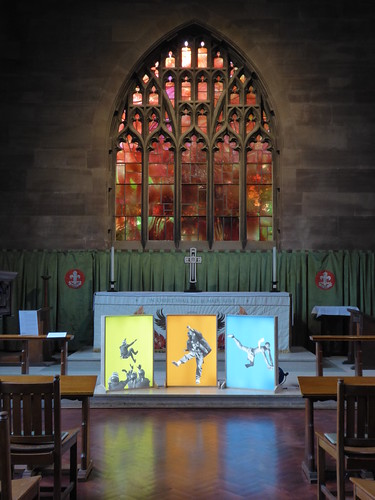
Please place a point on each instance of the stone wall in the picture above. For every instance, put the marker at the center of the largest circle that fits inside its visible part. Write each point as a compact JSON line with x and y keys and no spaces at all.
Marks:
{"x":64,"y":65}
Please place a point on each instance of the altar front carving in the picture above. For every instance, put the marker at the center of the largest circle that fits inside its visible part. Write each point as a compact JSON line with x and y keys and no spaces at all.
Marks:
{"x":160,"y":304}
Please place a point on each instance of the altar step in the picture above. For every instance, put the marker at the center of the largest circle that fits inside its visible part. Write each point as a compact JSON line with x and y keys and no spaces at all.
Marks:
{"x":297,"y":363}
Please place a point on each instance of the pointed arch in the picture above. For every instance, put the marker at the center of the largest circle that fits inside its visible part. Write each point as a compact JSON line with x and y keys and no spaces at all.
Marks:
{"x":196,"y":108}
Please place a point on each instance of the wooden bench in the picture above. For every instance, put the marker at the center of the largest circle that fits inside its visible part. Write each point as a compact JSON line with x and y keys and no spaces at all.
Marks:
{"x":356,"y":340}
{"x":26,"y":339}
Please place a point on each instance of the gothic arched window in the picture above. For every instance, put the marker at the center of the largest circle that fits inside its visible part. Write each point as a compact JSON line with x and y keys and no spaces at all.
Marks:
{"x":194,"y":149}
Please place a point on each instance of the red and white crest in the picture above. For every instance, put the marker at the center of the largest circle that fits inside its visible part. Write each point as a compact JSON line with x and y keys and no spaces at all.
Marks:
{"x":74,"y":278}
{"x":325,"y":280}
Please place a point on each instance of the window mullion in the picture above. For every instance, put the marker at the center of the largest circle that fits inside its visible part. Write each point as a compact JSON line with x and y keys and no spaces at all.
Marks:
{"x":144,"y":230}
{"x":177,"y":197}
{"x":242,"y":200}
{"x":210,"y":197}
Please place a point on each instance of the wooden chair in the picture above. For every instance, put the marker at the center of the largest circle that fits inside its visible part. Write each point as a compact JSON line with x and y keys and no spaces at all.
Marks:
{"x":353,"y":445}
{"x":36,"y":439}
{"x":16,"y":489}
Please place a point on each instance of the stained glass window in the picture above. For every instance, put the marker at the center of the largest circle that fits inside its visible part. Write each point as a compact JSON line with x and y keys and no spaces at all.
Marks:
{"x":194,"y":147}
{"x":160,"y":191}
{"x":226,"y":191}
{"x":194,"y":191}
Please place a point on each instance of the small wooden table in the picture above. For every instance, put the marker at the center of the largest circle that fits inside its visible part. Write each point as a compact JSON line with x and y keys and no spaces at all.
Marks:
{"x":25,"y":339}
{"x":355,"y":339}
{"x":75,"y":387}
{"x":315,"y":389}
{"x":364,"y":489}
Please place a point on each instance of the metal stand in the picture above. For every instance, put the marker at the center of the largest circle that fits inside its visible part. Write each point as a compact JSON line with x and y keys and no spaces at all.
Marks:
{"x":192,"y":288}
{"x":112,"y":286}
{"x":274,"y":287}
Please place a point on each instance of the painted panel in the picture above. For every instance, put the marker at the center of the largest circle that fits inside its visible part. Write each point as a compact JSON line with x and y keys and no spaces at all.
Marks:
{"x":191,"y":350}
{"x":251,"y":352}
{"x":128,"y":352}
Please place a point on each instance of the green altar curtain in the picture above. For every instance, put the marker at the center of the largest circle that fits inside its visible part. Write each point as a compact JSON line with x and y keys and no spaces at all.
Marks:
{"x":74,"y":277}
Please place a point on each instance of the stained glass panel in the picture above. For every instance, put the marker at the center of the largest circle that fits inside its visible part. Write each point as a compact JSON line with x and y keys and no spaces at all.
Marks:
{"x":252,"y":227}
{"x":137,"y":96}
{"x":250,"y":96}
{"x":218,"y":90}
{"x":155,"y":69}
{"x":226,"y":191}
{"x":202,"y":56}
{"x":153,"y":123}
{"x":170,"y":61}
{"x":259,"y":190}
{"x":185,"y":122}
{"x":161,"y":191}
{"x":169,"y":89}
{"x":234,"y":123}
{"x":137,"y":124}
{"x":265,"y":227}
{"x":153,"y":98}
{"x":160,"y":228}
{"x":218,"y":61}
{"x":193,"y":229}
{"x":202,"y":121}
{"x":250,"y":123}
{"x":185,"y":90}
{"x":226,"y":229}
{"x":194,"y":191}
{"x":186,"y":56}
{"x":128,"y":193}
{"x":202,"y":90}
{"x":234,"y":97}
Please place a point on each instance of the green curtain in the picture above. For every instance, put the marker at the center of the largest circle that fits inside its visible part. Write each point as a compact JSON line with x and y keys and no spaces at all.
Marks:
{"x":233,"y":271}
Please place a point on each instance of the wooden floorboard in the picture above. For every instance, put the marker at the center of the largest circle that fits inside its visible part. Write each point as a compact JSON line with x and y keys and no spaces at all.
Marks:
{"x":197,"y":453}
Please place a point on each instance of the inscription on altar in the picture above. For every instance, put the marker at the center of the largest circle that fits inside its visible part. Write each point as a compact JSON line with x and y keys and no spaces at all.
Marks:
{"x":161,"y":304}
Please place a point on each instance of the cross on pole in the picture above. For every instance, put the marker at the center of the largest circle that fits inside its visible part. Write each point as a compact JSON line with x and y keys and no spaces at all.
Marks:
{"x":193,"y":260}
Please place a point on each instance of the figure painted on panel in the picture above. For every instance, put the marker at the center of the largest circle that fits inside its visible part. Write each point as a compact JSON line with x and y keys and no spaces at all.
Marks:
{"x":197,"y":347}
{"x":133,"y":380}
{"x":136,"y":380}
{"x":115,"y":384}
{"x":253,"y":351}
{"x":125,"y":352}
{"x":141,"y":373}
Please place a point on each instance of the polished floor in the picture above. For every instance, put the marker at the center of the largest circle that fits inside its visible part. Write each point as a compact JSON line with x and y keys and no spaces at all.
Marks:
{"x":201,"y":443}
{"x":197,"y":453}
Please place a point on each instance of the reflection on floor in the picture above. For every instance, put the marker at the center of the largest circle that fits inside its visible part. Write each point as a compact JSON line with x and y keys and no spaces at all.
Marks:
{"x":204,"y":443}
{"x":184,"y":453}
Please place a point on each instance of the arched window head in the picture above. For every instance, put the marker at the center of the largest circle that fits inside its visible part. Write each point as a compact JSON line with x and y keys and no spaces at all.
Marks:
{"x":194,"y":146}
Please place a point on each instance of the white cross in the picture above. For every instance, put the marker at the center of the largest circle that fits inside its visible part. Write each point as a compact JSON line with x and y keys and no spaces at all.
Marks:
{"x":193,"y":260}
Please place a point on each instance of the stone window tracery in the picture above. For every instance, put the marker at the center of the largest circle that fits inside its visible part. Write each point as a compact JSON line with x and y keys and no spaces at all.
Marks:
{"x":194,"y":148}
